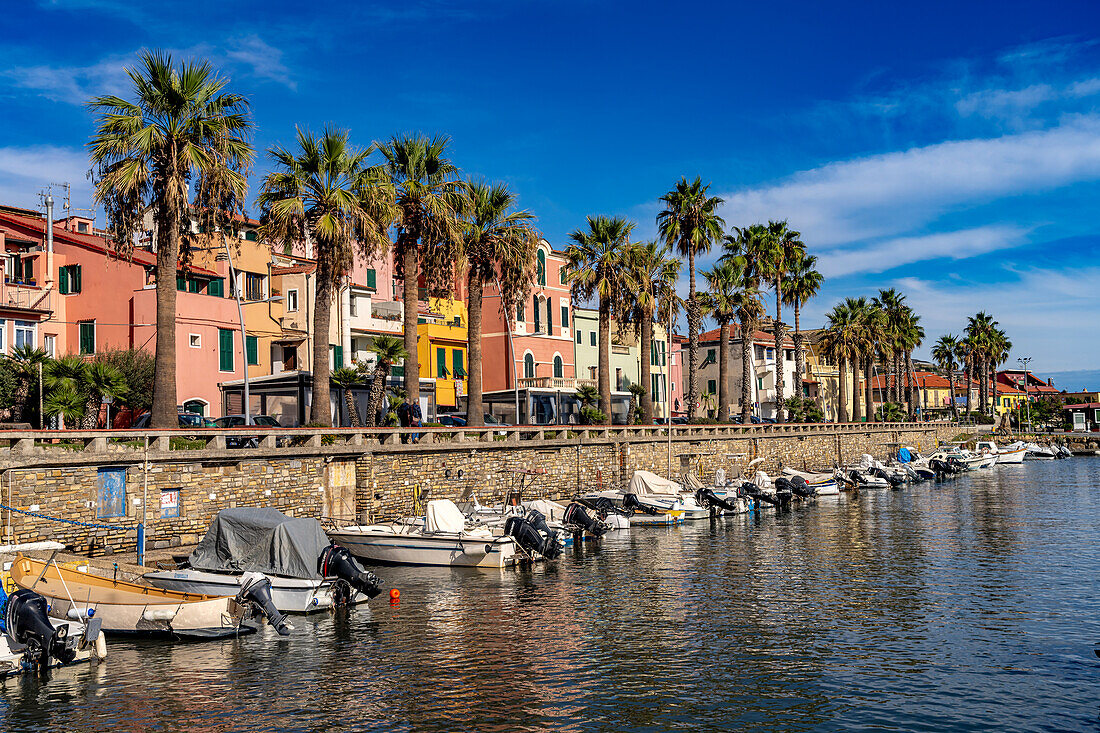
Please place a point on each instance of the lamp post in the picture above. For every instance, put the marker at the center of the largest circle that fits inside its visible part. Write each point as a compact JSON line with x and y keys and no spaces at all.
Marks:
{"x":1024,"y":361}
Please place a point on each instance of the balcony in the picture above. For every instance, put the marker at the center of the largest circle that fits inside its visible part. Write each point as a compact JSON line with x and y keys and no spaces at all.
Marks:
{"x":554,"y":383}
{"x":28,"y":296}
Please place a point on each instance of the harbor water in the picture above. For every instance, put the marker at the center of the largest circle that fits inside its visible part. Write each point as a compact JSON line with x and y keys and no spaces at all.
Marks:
{"x":964,"y":606}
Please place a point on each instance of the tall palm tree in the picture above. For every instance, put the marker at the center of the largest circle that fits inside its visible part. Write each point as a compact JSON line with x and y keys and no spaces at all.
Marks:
{"x":500,"y":245}
{"x":325,"y":193}
{"x":181,"y":132}
{"x":430,"y":203}
{"x":912,"y":336}
{"x":690,"y":223}
{"x":345,"y":378}
{"x":967,"y":354}
{"x":872,"y":331}
{"x":892,"y":304}
{"x":786,"y":249}
{"x":594,"y":267}
{"x":725,"y":288}
{"x":802,"y":283}
{"x":980,"y":331}
{"x":751,"y":246}
{"x":653,"y":272}
{"x":1001,"y":347}
{"x":388,"y":350}
{"x":25,"y":363}
{"x":944,"y":353}
{"x":839,"y":343}
{"x":862,"y":344}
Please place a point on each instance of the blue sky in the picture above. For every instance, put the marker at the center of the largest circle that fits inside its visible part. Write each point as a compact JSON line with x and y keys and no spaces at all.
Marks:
{"x":952,"y":152}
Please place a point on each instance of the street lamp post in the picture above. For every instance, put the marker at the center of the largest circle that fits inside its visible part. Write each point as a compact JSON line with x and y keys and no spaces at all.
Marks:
{"x":1024,"y":361}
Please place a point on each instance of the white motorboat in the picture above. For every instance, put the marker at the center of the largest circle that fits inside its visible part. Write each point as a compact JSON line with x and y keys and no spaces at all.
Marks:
{"x":32,"y":640}
{"x":654,"y":490}
{"x":1006,"y":455}
{"x":1036,"y":452}
{"x":445,"y":537}
{"x":307,"y":572}
{"x":823,"y":484}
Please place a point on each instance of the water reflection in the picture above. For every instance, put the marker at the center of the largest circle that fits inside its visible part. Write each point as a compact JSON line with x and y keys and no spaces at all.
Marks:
{"x":962,"y":606}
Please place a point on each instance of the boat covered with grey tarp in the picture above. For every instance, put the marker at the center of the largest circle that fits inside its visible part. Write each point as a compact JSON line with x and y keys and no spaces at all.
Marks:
{"x":307,"y":571}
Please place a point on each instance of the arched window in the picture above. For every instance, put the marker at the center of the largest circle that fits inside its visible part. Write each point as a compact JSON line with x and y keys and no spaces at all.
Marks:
{"x":529,"y":365}
{"x":559,"y":367}
{"x":542,"y":268}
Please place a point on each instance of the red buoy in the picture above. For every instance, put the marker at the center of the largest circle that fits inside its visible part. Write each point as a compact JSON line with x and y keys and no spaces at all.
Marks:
{"x":395,"y":595}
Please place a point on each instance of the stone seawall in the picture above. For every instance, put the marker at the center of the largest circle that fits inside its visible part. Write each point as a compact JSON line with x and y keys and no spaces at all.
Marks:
{"x":372,"y":482}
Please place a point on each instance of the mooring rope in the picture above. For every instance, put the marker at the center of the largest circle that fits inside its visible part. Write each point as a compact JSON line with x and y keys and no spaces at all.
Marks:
{"x":39,"y":515}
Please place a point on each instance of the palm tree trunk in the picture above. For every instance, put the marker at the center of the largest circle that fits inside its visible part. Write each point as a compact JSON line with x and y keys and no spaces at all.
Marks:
{"x":693,"y":339}
{"x":799,"y":359}
{"x":163,"y":412}
{"x":605,"y":360}
{"x":475,"y":407}
{"x":911,"y":387}
{"x":842,"y":413}
{"x":377,"y":387}
{"x":410,"y":267}
{"x":869,"y":395}
{"x":968,"y":389}
{"x":746,"y":373}
{"x":993,"y":386}
{"x":646,"y":368}
{"x":352,"y":407}
{"x":724,"y":372}
{"x":951,"y":393}
{"x":320,"y":411}
{"x":856,"y":417}
{"x":90,"y":421}
{"x":777,"y":334}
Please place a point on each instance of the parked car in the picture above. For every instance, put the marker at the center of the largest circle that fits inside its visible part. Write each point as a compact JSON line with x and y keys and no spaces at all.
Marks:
{"x":186,"y":420}
{"x":237,"y":421}
{"x":452,"y":421}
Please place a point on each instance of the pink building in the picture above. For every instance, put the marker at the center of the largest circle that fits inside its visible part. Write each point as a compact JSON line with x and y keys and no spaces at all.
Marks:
{"x":676,"y":390}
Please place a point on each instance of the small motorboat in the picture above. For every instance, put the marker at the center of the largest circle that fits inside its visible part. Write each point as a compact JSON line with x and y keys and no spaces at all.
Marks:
{"x":444,"y":537}
{"x":1036,"y":452}
{"x":652,"y":499}
{"x":31,"y":640}
{"x":823,"y":484}
{"x":121,"y":607}
{"x":1006,"y":455}
{"x":307,"y":571}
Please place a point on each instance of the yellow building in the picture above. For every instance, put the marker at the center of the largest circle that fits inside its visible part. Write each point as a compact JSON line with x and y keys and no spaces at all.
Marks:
{"x":441,"y":345}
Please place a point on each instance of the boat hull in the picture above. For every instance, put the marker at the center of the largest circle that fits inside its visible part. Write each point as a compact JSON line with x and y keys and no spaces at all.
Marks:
{"x":1011,"y":457}
{"x":87,"y":645}
{"x":395,"y":549}
{"x":291,"y":595}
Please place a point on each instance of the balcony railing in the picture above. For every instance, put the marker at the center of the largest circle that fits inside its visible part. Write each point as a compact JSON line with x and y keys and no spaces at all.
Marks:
{"x":554,"y":382}
{"x":24,"y":295}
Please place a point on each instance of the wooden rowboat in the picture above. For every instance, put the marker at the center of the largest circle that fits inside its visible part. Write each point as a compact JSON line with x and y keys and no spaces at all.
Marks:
{"x":126,"y":607}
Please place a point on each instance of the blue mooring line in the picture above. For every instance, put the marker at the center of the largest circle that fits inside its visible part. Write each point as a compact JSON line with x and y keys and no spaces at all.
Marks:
{"x":39,"y":515}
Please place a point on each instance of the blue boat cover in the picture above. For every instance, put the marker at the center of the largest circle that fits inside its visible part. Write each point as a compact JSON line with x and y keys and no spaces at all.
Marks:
{"x":903,"y":455}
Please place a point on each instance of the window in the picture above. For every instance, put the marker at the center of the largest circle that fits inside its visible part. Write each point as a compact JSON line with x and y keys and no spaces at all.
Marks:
{"x":181,"y":282}
{"x":458,"y":360}
{"x":788,"y":354}
{"x":528,"y":365}
{"x":292,"y":301}
{"x":620,"y":385}
{"x":49,"y":345}
{"x":372,"y":279}
{"x":250,"y":235}
{"x":253,"y":287}
{"x":520,"y":315}
{"x":712,"y":386}
{"x":591,"y":338}
{"x":759,"y":352}
{"x":69,"y":280}
{"x":82,"y":227}
{"x":565,"y":316}
{"x":562,"y":274}
{"x":353,"y":310}
{"x":559,"y":367}
{"x":193,"y":285}
{"x":225,"y":350}
{"x":252,"y":350}
{"x":578,"y":337}
{"x":542,"y":268}
{"x":3,"y":333}
{"x":87,"y":337}
{"x":216,"y":287}
{"x":760,"y":383}
{"x":27,"y":275}
{"x":196,"y":406}
{"x":194,"y":340}
{"x":770,"y":352}
{"x":549,"y":315}
{"x":538,"y":322}
{"x":24,"y":333}
{"x":337,"y":357}
{"x":441,"y":362}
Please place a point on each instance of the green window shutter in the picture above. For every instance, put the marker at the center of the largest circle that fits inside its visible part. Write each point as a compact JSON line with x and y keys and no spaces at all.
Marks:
{"x":87,"y":337}
{"x":592,"y":338}
{"x":549,"y":316}
{"x":337,"y":357}
{"x":63,"y":280}
{"x":193,"y":285}
{"x":459,"y":362}
{"x":520,"y":315}
{"x":225,"y":350}
{"x":252,"y":346}
{"x":440,"y":362}
{"x":181,"y":282}
{"x":542,"y":267}
{"x":565,"y":316}
{"x":76,"y":284}
{"x":250,"y":235}
{"x":712,"y":386}
{"x":28,"y":269}
{"x":216,"y":287}
{"x":579,"y":336}
{"x":372,"y":279}
{"x":397,"y":370}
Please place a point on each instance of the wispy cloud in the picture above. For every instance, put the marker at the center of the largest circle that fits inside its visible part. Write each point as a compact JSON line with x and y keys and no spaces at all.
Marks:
{"x":263,"y":61}
{"x":26,"y":170}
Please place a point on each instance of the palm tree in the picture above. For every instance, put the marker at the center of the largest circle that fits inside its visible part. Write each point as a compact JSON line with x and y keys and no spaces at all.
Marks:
{"x":912,"y":336}
{"x":588,"y":397}
{"x":430,"y":203}
{"x":388,"y":350}
{"x":944,"y":353}
{"x":181,"y":133}
{"x":325,"y":194}
{"x":63,"y":384}
{"x":638,"y":393}
{"x":501,"y":245}
{"x":966,"y":355}
{"x":864,"y":315}
{"x":786,"y":248}
{"x":99,"y":380}
{"x":690,"y":223}
{"x":980,"y":331}
{"x":802,"y":283}
{"x":1001,"y":347}
{"x":345,"y":378}
{"x":653,"y":272}
{"x":724,"y":299}
{"x":839,"y":343}
{"x":892,"y":304}
{"x":872,"y":331}
{"x":750,"y":246}
{"x":25,"y":363}
{"x":595,"y":267}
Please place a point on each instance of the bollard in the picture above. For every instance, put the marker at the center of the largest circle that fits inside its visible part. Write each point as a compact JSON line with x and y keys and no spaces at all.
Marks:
{"x":141,"y":544}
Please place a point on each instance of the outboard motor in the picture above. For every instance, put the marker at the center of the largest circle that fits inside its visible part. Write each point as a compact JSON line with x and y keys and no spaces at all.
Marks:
{"x":784,"y":491}
{"x":336,"y":560}
{"x":796,"y":485}
{"x":631,"y":504}
{"x":523,"y":531}
{"x":753,"y":491}
{"x":706,"y":497}
{"x":256,"y":591}
{"x":890,"y":478}
{"x":954,"y":465}
{"x":939,"y":468}
{"x":27,"y":622}
{"x":576,"y":516}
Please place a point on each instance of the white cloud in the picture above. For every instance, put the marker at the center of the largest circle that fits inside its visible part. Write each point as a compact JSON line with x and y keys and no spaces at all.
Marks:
{"x":24,"y":171}
{"x":72,"y":84}
{"x":264,"y":61}
{"x":894,"y":193}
